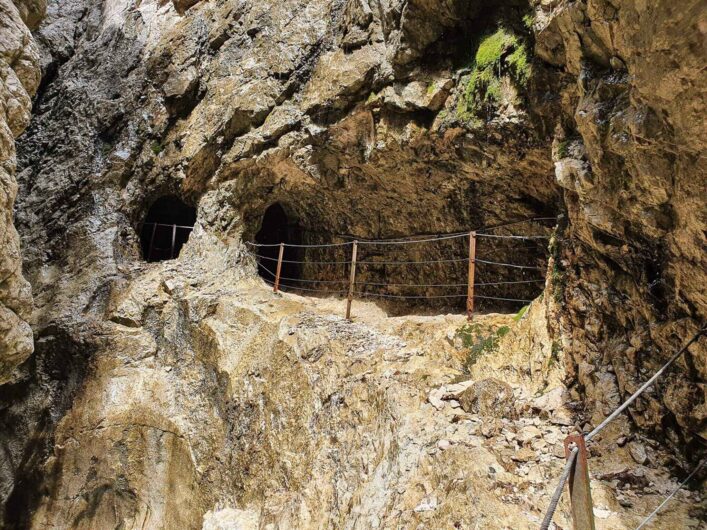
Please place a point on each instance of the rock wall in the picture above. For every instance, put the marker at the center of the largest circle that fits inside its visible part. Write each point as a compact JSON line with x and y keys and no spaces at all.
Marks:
{"x":188,"y":384}
{"x":342,"y":122}
{"x":629,"y":263}
{"x":19,"y":79}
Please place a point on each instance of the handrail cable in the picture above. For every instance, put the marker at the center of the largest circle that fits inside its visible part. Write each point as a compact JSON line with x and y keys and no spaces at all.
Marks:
{"x":499,"y":236}
{"x":272,"y":284}
{"x":645,"y":385}
{"x":421,"y":262}
{"x":408,"y":297}
{"x":482,"y":284}
{"x":665,"y":501}
{"x":450,"y":234}
{"x":250,"y":243}
{"x":303,"y":262}
{"x":558,"y":490}
{"x":503,"y":299}
{"x":612,"y":416}
{"x":271,"y":273}
{"x":411,"y":241}
{"x":513,"y":265}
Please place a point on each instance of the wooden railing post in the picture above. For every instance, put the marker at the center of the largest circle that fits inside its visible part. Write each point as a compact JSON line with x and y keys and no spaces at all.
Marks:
{"x":276,"y":286}
{"x":470,"y":280}
{"x":352,"y":280}
{"x":580,"y":491}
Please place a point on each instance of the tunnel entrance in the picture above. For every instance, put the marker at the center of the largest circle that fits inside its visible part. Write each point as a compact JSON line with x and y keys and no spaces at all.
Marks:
{"x":166,"y":228}
{"x":277,"y":227}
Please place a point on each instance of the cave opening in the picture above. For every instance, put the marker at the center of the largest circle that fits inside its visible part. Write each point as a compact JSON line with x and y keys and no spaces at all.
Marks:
{"x":166,"y":228}
{"x":279,"y":227}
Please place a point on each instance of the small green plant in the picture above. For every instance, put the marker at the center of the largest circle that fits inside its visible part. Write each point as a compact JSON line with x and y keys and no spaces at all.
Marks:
{"x":563,"y":149}
{"x":521,"y":313}
{"x":529,"y":20}
{"x":157,"y":147}
{"x":479,"y":341}
{"x":554,"y":354}
{"x":558,"y":281}
{"x":431,"y":88}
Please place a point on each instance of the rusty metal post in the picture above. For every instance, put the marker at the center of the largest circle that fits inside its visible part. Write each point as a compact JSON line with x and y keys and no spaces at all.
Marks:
{"x":152,"y":242}
{"x":470,"y":279}
{"x":174,"y":239}
{"x":580,"y":491}
{"x":352,"y":280}
{"x":279,"y":268}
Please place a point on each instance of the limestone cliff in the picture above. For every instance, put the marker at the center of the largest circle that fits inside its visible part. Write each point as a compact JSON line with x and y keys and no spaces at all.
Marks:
{"x":185,"y":394}
{"x":629,"y":267}
{"x":19,"y":79}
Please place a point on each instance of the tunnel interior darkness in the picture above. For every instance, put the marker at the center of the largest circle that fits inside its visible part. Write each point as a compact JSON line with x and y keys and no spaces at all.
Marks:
{"x":277,"y":227}
{"x":166,"y":228}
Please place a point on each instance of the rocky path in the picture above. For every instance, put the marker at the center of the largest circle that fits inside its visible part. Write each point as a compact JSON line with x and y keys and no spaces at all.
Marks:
{"x":214,"y":403}
{"x":218,"y":403}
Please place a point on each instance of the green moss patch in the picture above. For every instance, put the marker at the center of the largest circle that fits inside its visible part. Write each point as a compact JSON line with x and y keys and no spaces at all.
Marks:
{"x":480,"y":341}
{"x":499,"y":54}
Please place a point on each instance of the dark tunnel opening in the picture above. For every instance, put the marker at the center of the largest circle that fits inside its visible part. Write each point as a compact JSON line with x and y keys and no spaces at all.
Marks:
{"x":166,"y":228}
{"x":277,"y":227}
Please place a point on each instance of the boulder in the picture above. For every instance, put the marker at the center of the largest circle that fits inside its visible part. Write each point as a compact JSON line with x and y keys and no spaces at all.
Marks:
{"x":489,"y":397}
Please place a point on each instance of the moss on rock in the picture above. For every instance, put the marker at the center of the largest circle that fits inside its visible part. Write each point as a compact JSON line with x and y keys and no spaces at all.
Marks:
{"x":498,"y":55}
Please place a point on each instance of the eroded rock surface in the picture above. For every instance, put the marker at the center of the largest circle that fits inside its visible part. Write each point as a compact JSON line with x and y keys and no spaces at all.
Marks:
{"x":223,"y":405}
{"x":629,"y":264}
{"x":185,"y":394}
{"x":19,"y":79}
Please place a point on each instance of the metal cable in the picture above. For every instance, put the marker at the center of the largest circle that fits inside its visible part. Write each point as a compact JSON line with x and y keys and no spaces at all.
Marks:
{"x":381,"y":295}
{"x":497,"y":236}
{"x":407,"y":240}
{"x":423,"y":262}
{"x":504,"y":299}
{"x":271,"y":273}
{"x":374,"y":284}
{"x":558,"y":490}
{"x":410,"y":241}
{"x":449,"y":235}
{"x":484,"y":284}
{"x":512,"y":265}
{"x":321,"y":291}
{"x":299,"y":246}
{"x":539,"y":280}
{"x":665,"y":501}
{"x":645,"y":385}
{"x":304,"y":262}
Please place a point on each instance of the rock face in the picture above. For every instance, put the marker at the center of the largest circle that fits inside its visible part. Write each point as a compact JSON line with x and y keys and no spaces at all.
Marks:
{"x":19,"y":79}
{"x":185,"y":394}
{"x":629,"y":264}
{"x":214,"y":403}
{"x":488,"y":397}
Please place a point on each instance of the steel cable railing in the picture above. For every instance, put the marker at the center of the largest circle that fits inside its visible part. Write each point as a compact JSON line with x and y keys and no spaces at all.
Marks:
{"x":362,"y":290}
{"x":553,"y":504}
{"x":672,"y":494}
{"x":574,"y":454}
